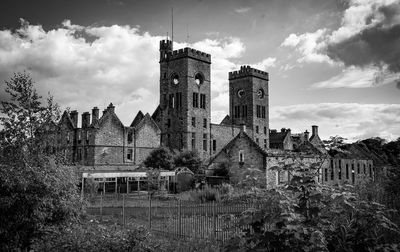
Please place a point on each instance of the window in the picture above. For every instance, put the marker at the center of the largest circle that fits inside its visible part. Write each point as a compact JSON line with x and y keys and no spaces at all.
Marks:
{"x":241,"y":156}
{"x":202,"y":101}
{"x":258,"y":111}
{"x":68,"y":137}
{"x":340,"y":170}
{"x":169,"y":139}
{"x":181,"y":141}
{"x":85,"y":153}
{"x":257,"y":140}
{"x":168,"y":122}
{"x":257,"y":129}
{"x":214,"y":145}
{"x":265,"y":130}
{"x":205,"y":123}
{"x":179,"y":100}
{"x":194,"y":121}
{"x":79,"y":137}
{"x":358,"y":168}
{"x":347,"y":171}
{"x":244,"y":111}
{"x":263,"y":112}
{"x":129,"y":154}
{"x":205,"y":142}
{"x":265,"y":143}
{"x":193,"y":141}
{"x":332,"y":174}
{"x":326,"y":174}
{"x":365,"y":169}
{"x":80,"y":154}
{"x":195,"y":100}
{"x":171,"y":101}
{"x":130,"y":137}
{"x":165,"y":74}
{"x":352,"y":173}
{"x":237,"y":112}
{"x":370,"y":170}
{"x":199,"y":79}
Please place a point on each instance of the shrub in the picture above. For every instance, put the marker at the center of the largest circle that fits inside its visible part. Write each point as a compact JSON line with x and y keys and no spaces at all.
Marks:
{"x":189,"y":159}
{"x":160,"y":158}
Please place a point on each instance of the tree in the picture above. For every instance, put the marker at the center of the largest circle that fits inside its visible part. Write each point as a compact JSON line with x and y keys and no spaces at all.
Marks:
{"x":189,"y":159}
{"x":160,"y":158}
{"x":36,"y":191}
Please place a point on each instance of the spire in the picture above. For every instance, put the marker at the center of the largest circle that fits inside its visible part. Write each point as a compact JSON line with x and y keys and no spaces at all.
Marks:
{"x":172,"y":24}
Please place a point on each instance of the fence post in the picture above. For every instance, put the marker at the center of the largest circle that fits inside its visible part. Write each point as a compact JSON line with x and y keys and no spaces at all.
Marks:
{"x":180,"y":219}
{"x":101,"y":206}
{"x":123,"y":210}
{"x":214,"y":221}
{"x":149,"y":211}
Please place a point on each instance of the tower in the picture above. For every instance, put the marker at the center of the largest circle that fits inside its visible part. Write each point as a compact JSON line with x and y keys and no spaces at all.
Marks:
{"x":248,"y":102}
{"x":185,"y":98}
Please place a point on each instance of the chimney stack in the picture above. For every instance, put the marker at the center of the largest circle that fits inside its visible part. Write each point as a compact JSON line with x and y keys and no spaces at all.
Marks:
{"x":306,"y":136}
{"x":314,"y":130}
{"x":111,"y":108}
{"x":85,"y":120}
{"x":95,"y":115}
{"x":74,"y":118}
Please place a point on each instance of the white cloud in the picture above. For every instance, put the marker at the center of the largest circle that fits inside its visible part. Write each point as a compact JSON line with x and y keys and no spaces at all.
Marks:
{"x":242,"y":10}
{"x":355,"y":77}
{"x":265,"y":64}
{"x":350,"y":120}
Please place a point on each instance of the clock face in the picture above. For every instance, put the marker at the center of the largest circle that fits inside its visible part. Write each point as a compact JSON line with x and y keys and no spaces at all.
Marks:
{"x":260,"y":93}
{"x":240,"y":93}
{"x":175,"y":79}
{"x":199,"y":79}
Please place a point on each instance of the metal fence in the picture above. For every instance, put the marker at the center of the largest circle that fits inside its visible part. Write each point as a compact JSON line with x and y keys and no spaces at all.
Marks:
{"x":172,"y":218}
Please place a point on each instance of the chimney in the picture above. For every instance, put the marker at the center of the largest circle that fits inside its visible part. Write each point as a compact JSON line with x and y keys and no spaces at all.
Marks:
{"x":111,"y":108}
{"x":85,"y":120}
{"x":95,"y":114}
{"x":306,"y":135}
{"x":104,"y":111}
{"x":314,"y":130}
{"x":283,"y":130}
{"x":74,"y":118}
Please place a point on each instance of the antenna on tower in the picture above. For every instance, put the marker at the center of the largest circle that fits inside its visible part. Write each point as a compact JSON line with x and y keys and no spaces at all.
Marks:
{"x":172,"y":24}
{"x":187,"y":33}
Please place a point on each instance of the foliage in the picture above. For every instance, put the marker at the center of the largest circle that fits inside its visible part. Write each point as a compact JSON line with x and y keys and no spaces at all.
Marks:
{"x":306,"y":216}
{"x":95,"y":236}
{"x":334,"y":141}
{"x":153,"y":177}
{"x":189,"y":159}
{"x":36,"y":190}
{"x":222,"y":170}
{"x":160,"y":158}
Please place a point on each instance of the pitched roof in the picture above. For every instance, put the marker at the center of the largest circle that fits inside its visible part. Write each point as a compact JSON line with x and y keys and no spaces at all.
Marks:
{"x":147,"y":119}
{"x":156,"y":112}
{"x":65,"y":116}
{"x":139,"y":116}
{"x":277,"y":137}
{"x":232,"y":142}
{"x":110,"y":114}
{"x":227,"y":120}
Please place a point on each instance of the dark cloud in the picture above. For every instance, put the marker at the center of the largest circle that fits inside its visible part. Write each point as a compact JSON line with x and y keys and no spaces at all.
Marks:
{"x":376,"y":45}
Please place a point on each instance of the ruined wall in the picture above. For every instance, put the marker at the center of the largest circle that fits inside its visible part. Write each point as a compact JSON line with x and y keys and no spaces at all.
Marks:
{"x":348,"y":171}
{"x":222,"y":134}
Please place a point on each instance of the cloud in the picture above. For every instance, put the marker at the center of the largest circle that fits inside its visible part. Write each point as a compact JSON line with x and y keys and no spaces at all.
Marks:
{"x":265,"y":64}
{"x":354,"y":77}
{"x":242,"y":10}
{"x":350,"y":120}
{"x":369,"y":37}
{"x":87,"y":66}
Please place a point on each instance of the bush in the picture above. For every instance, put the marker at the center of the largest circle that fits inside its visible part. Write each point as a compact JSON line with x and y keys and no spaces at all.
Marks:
{"x":189,"y":159}
{"x":160,"y":158}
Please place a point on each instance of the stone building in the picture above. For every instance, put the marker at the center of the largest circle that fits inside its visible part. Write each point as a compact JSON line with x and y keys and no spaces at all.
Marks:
{"x":182,"y":121}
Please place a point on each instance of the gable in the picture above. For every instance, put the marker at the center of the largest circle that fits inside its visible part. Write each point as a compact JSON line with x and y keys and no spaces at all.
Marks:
{"x":66,"y":121}
{"x":139,"y":116}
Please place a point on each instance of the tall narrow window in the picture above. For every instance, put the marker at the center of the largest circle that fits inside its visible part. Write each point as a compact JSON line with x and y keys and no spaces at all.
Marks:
{"x":257,"y":140}
{"x":237,"y":112}
{"x":326,"y":174}
{"x":194,"y":121}
{"x":265,"y":130}
{"x":129,"y":154}
{"x":79,"y":137}
{"x":193,"y":141}
{"x":202,"y":101}
{"x":347,"y":171}
{"x":214,"y":143}
{"x":130,"y":137}
{"x":168,"y":122}
{"x":263,"y":112}
{"x":370,"y":170}
{"x":195,"y":100}
{"x":365,"y":169}
{"x":241,"y":156}
{"x":340,"y":170}
{"x":244,"y":111}
{"x":179,"y":100}
{"x":171,"y":101}
{"x":257,"y":129}
{"x":205,"y":123}
{"x":265,"y":143}
{"x":258,"y":111}
{"x":68,"y":137}
{"x":205,"y":142}
{"x":352,"y":173}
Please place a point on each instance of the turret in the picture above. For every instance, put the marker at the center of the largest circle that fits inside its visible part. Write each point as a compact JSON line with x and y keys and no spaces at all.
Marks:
{"x":165,"y":49}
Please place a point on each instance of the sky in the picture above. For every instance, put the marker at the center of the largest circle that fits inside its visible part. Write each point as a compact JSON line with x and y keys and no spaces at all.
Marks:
{"x":332,"y":63}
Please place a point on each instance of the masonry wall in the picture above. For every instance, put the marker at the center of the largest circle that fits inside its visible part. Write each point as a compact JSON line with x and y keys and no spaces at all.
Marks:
{"x":275,"y":177}
{"x":222,"y":134}
{"x":253,"y":160}
{"x":146,"y":140}
{"x":340,"y":171}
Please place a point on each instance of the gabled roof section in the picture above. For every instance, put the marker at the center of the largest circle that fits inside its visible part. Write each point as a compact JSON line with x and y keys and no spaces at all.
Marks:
{"x":241,"y":134}
{"x":156,"y":112}
{"x":67,"y":119}
{"x":110,"y":115}
{"x":139,"y":116}
{"x":308,"y":148}
{"x":147,"y":119}
{"x":277,"y":137}
{"x":227,"y":120}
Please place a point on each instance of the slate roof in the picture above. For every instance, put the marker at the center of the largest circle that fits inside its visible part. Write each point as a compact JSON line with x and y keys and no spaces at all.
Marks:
{"x":139,"y":116}
{"x":277,"y":137}
{"x":227,"y":120}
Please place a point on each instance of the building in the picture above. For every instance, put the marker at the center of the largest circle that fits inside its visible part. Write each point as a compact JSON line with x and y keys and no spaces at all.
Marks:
{"x":182,"y":121}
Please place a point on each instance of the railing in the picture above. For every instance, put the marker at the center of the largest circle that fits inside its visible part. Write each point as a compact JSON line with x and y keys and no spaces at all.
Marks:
{"x":172,"y":218}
